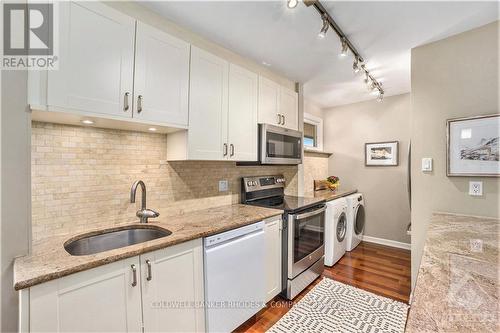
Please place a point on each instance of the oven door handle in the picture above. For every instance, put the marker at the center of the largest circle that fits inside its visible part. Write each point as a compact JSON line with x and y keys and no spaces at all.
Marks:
{"x":309,"y":214}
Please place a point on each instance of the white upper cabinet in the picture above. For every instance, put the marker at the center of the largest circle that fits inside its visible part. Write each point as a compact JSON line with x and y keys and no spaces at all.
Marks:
{"x":161,"y":81}
{"x":96,"y":60}
{"x":278,"y":105}
{"x":289,"y":108}
{"x":242,"y":118}
{"x":269,"y":98}
{"x":102,"y":299}
{"x":222,"y":112}
{"x":170,"y":277}
{"x":208,"y":106}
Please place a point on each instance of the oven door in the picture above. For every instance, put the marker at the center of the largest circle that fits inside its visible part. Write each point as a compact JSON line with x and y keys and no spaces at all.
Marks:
{"x":279,"y":145}
{"x":306,"y":239}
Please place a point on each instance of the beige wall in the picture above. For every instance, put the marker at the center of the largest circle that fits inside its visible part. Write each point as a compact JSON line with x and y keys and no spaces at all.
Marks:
{"x":454,"y":77}
{"x":312,"y":108}
{"x":15,"y":193}
{"x":81,"y":178}
{"x":346,"y":129}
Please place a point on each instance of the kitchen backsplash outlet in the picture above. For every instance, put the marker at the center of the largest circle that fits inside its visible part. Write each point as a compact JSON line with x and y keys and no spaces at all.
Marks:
{"x":81,"y":178}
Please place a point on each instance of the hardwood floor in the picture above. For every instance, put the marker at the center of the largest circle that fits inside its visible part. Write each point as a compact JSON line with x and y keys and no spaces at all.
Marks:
{"x":379,"y":269}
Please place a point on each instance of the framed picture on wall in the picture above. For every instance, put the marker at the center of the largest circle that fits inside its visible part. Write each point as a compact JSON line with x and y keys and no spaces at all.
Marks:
{"x":382,"y":153}
{"x":472,"y":146}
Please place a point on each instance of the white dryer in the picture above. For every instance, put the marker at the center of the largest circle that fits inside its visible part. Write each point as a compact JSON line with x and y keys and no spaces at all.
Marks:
{"x":355,"y":220}
{"x":335,"y":230}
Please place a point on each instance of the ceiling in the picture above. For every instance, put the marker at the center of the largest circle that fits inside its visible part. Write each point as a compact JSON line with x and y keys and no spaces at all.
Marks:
{"x":286,"y":39}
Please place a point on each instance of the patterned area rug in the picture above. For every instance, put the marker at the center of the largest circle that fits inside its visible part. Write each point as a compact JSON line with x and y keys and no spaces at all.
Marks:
{"x":332,"y":306}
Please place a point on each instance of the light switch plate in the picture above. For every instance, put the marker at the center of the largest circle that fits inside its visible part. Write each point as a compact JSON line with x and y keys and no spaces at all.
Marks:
{"x":426,"y":164}
{"x":223,"y":185}
{"x":476,"y":188}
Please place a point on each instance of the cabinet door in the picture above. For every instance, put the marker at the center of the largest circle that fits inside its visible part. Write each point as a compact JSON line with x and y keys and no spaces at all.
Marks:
{"x":208,"y":107}
{"x":102,"y":299}
{"x":96,"y":60}
{"x":269,"y":99}
{"x":289,"y":108}
{"x":172,"y":288}
{"x":242,"y":118}
{"x":161,"y":77}
{"x":273,"y":257}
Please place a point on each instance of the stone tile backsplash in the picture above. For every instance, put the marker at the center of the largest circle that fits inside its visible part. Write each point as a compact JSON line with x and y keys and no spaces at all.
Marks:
{"x":81,"y":178}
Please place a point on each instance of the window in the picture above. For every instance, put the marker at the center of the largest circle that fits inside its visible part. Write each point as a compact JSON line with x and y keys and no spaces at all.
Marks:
{"x":310,"y":137}
{"x":313,"y":132}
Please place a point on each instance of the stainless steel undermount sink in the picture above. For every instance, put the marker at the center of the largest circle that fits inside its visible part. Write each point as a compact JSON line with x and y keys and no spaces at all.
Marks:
{"x":113,"y":239}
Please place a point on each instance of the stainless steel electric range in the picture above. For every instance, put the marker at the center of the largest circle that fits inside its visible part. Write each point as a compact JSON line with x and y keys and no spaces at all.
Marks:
{"x":303,"y":246}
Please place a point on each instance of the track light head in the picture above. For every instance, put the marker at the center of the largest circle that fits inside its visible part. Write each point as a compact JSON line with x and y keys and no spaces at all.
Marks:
{"x":345,"y":48}
{"x":324,"y":29}
{"x":380,"y":96}
{"x":292,"y":3}
{"x":355,"y":66}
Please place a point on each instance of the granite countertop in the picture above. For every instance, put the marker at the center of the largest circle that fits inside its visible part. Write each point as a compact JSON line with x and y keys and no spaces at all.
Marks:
{"x":457,"y":284}
{"x":49,"y":260}
{"x":329,"y":195}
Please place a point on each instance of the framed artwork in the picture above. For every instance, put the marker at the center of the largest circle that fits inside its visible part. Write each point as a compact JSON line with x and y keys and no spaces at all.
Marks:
{"x":472,"y":146}
{"x":382,"y":153}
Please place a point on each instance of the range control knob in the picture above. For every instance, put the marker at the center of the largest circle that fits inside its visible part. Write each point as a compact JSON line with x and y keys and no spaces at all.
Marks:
{"x":254,"y":183}
{"x":249,"y":183}
{"x":280,"y":180}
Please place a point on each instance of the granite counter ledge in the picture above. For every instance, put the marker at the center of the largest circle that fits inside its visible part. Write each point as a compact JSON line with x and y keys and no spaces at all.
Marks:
{"x":49,"y":260}
{"x":329,"y":195}
{"x":457,"y":284}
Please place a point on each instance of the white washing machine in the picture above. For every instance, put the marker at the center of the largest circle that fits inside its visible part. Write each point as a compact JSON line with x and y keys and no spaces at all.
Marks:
{"x":335,"y":230}
{"x":355,"y":220}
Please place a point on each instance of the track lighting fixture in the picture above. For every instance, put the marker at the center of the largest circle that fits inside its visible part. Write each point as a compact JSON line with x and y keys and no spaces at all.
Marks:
{"x":355,"y":65}
{"x":343,"y":53}
{"x":358,"y":65}
{"x":292,"y":3}
{"x":324,"y":29}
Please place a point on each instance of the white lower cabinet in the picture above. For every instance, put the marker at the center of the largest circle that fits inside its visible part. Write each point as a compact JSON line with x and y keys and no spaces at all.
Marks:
{"x":109,"y":298}
{"x":98,"y":300}
{"x":273,"y":257}
{"x":172,"y":289}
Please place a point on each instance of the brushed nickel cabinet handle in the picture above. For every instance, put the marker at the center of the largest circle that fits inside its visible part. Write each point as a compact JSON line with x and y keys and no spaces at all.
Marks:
{"x":134,"y":275}
{"x":125,"y":102}
{"x":231,"y":150}
{"x":139,"y":104}
{"x":224,"y":149}
{"x":284,"y":120}
{"x":150,"y":276}
{"x":279,"y":118}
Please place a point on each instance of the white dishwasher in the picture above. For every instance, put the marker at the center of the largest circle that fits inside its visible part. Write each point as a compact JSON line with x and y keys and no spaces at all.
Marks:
{"x":235,"y":277}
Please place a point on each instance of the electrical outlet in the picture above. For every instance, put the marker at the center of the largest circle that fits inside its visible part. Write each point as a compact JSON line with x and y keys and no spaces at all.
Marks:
{"x":223,"y":185}
{"x":476,"y":188}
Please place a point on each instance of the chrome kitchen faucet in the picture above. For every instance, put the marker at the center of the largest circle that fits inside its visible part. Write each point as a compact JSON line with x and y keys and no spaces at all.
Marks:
{"x":143,"y":214}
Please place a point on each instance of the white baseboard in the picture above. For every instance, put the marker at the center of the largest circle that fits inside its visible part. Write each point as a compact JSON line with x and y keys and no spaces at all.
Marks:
{"x":387,"y":242}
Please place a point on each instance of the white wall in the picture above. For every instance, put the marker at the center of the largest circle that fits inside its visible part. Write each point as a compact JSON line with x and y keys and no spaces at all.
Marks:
{"x":347,"y":128}
{"x":454,"y":77}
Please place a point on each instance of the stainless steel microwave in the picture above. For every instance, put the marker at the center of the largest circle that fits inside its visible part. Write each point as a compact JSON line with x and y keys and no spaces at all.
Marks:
{"x":279,"y":145}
